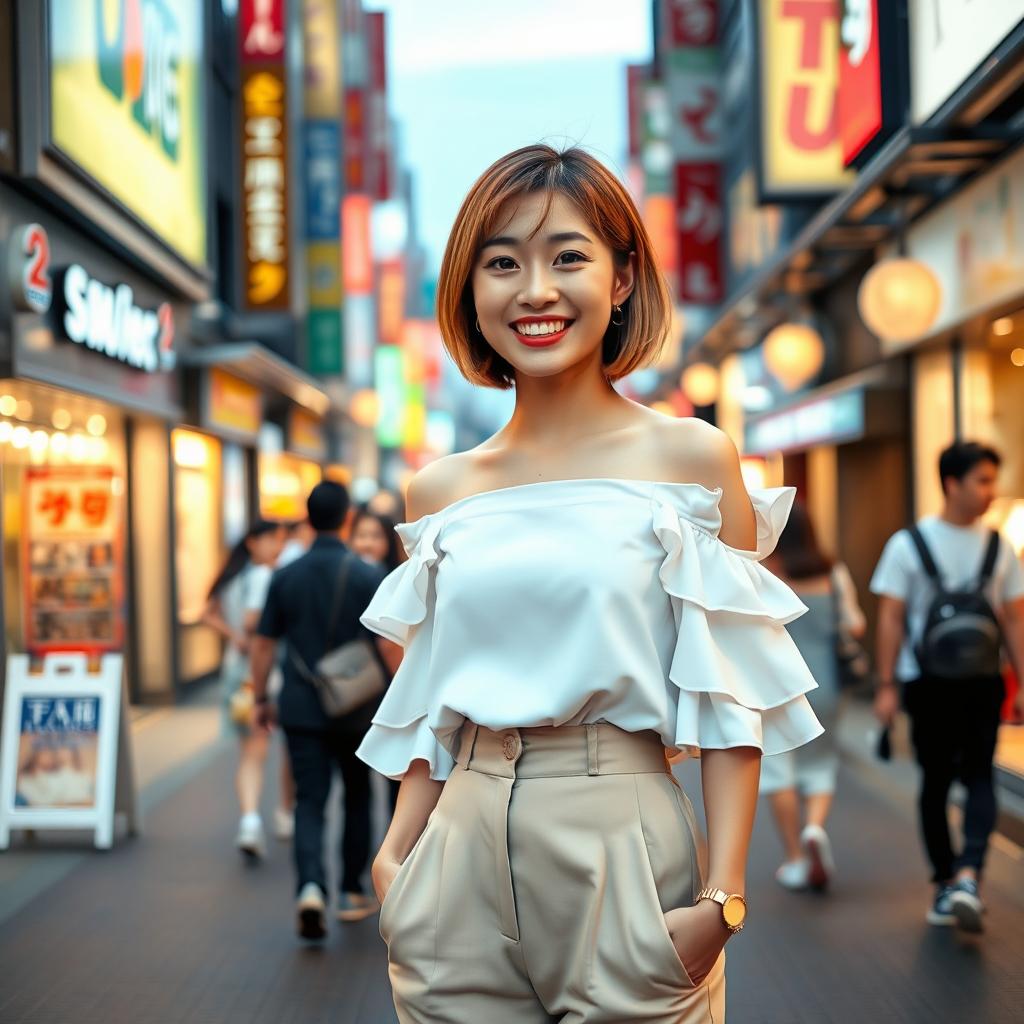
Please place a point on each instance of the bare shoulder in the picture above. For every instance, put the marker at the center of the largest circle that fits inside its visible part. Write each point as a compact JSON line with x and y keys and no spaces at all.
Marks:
{"x":693,"y":451}
{"x":437,"y":485}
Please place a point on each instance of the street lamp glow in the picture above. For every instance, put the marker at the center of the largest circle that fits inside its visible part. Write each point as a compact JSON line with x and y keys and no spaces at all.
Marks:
{"x":794,"y":354}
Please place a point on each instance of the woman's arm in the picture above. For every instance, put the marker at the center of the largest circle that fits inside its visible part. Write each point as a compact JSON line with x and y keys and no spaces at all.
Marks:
{"x":417,"y":797}
{"x":851,"y":617}
{"x":214,"y":618}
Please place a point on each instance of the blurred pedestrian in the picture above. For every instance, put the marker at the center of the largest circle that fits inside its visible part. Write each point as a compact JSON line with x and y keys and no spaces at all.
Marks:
{"x":306,"y":609}
{"x":233,"y":609}
{"x":299,"y":539}
{"x":374,"y":539}
{"x":583,"y":590}
{"x":800,"y":784}
{"x":951,"y":599}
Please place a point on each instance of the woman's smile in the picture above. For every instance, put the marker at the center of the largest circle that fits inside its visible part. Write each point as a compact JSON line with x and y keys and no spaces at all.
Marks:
{"x":540,"y":332}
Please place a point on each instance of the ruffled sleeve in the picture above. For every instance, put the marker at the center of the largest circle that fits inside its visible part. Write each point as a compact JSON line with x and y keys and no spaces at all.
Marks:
{"x":740,"y":677}
{"x":402,"y":611}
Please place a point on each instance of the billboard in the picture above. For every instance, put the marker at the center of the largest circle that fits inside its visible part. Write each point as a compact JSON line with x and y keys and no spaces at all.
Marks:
{"x":801,"y":150}
{"x":127,"y":107}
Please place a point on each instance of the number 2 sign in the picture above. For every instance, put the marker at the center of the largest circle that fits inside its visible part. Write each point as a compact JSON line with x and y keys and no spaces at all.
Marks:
{"x":28,"y":269}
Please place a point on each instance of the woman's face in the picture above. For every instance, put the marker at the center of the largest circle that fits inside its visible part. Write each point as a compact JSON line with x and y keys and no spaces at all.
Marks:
{"x":265,"y":548}
{"x":369,"y":541}
{"x":544,"y":295}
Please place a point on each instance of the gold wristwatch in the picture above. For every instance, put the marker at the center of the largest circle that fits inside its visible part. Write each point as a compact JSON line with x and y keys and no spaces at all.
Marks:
{"x":734,"y":907}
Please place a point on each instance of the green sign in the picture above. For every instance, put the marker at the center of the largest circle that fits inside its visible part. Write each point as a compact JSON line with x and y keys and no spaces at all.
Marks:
{"x":323,"y":342}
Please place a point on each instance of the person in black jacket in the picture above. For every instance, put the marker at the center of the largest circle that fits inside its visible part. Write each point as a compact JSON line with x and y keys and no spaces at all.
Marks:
{"x":300,"y":604}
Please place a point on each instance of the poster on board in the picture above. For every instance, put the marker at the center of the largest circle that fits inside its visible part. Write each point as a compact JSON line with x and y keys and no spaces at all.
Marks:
{"x":65,"y":760}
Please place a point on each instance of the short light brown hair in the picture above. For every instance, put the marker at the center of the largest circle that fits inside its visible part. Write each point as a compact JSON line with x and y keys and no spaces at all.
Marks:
{"x":610,"y":211}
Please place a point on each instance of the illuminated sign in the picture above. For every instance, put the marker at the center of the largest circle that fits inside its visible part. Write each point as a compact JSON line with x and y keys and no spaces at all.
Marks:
{"x":801,"y":152}
{"x":306,"y":434}
{"x":265,"y":188}
{"x":232,"y":405}
{"x":28,"y":268}
{"x":389,"y":377}
{"x":262,"y":24}
{"x":830,"y":420}
{"x":357,"y":253}
{"x":104,"y":318}
{"x":127,"y":106}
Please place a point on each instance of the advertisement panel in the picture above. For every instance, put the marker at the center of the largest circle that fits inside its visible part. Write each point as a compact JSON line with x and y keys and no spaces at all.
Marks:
{"x":261,"y":26}
{"x":700,"y":220}
{"x":127,"y":107}
{"x":232,"y":405}
{"x":801,"y":152}
{"x":72,"y":559}
{"x":860,"y":77}
{"x":264,"y":148}
{"x":949,"y":39}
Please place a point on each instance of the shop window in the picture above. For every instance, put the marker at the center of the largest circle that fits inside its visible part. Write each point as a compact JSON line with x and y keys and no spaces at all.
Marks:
{"x":63,"y":477}
{"x":284,"y":484}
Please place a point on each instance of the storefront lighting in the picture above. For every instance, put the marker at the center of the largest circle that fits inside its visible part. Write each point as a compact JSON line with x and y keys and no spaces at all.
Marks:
{"x":1003,"y":326}
{"x":39,"y":442}
{"x":78,"y":448}
{"x":61,"y":419}
{"x":899,"y":299}
{"x":1017,"y":357}
{"x":794,"y":354}
{"x":6,"y":430}
{"x":365,"y":408}
{"x":96,"y":448}
{"x":23,"y":410}
{"x":665,"y":408}
{"x":8,"y":404}
{"x":21,"y":437}
{"x":699,"y":383}
{"x":96,"y":425}
{"x":59,"y":443}
{"x":190,"y":450}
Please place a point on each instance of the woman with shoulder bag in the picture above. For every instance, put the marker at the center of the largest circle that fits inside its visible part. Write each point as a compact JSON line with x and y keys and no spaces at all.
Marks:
{"x":801,"y":783}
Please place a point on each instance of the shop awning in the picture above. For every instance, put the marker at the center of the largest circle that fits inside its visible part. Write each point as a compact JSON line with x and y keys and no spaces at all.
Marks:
{"x":253,"y":362}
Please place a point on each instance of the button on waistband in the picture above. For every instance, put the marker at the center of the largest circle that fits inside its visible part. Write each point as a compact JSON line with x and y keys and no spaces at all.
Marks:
{"x":511,"y":746}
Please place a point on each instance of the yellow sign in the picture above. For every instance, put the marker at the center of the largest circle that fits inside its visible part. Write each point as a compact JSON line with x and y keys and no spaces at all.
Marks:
{"x":323,"y":268}
{"x":127,"y":107}
{"x":323,"y":59}
{"x":306,"y":434}
{"x":801,"y":152}
{"x":234,"y":405}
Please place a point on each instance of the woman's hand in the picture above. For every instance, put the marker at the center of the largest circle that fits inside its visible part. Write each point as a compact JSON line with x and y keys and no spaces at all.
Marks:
{"x":383,"y":874}
{"x":699,"y":935}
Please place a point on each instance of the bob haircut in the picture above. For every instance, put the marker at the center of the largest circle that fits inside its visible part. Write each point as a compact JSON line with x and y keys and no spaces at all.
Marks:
{"x":609,"y":210}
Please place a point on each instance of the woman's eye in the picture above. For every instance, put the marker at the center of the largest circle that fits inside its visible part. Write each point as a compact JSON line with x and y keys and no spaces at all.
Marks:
{"x":565,"y":258}
{"x":502,"y":263}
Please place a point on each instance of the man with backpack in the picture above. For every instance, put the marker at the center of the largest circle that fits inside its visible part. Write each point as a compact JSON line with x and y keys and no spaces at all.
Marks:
{"x":951,"y":601}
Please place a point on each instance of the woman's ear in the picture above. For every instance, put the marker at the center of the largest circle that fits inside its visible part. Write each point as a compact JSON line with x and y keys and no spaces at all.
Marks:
{"x":624,"y":281}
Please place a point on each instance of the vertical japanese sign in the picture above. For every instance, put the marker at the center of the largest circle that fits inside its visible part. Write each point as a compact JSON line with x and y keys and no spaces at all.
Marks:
{"x":801,"y":151}
{"x":73,"y":565}
{"x":860,"y":77}
{"x":692,"y":73}
{"x":322,"y":152}
{"x":264,"y":154}
{"x":355,"y":71}
{"x":379,"y":131}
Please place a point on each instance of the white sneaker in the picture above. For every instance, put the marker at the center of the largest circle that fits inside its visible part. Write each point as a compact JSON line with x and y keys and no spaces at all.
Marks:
{"x":310,"y":909}
{"x":966,"y":905}
{"x":250,"y":839}
{"x":284,"y":824}
{"x":818,"y":851}
{"x":793,"y":874}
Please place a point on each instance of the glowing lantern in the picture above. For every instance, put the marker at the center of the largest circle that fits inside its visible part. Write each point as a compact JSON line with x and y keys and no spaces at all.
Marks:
{"x":700,"y":383}
{"x":794,"y":354}
{"x":365,"y":407}
{"x":899,"y":299}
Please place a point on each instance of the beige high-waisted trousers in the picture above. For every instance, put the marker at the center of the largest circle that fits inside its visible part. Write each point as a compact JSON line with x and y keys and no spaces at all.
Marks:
{"x":537,"y":890}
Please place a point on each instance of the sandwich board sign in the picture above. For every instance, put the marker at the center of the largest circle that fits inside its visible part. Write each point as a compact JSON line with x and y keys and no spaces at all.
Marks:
{"x":64,"y":748}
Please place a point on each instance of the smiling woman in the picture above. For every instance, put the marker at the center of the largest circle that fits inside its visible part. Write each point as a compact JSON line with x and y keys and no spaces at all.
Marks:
{"x":583,"y":593}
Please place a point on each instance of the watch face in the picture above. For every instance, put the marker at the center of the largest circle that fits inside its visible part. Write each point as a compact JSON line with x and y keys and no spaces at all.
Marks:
{"x":734,"y":911}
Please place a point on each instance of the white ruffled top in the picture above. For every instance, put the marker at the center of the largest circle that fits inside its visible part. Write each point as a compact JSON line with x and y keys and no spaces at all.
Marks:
{"x":570,"y":602}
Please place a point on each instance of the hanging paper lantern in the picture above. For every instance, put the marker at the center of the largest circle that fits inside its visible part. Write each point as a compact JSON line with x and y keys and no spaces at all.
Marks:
{"x":794,"y":354}
{"x":899,"y":299}
{"x":700,"y":384}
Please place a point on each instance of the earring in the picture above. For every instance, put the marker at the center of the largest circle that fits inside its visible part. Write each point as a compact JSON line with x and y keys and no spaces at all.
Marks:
{"x":617,"y":311}
{"x":478,"y":331}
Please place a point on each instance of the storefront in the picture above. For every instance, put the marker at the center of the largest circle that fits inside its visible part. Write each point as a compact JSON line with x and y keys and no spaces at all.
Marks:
{"x":89,"y":389}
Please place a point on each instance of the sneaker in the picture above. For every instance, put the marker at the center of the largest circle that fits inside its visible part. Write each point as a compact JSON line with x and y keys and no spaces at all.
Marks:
{"x":355,"y":906}
{"x":794,"y":874}
{"x":941,"y":911}
{"x":818,"y":850}
{"x":312,"y":924}
{"x":250,"y":839}
{"x":284,"y":824}
{"x":967,"y":906}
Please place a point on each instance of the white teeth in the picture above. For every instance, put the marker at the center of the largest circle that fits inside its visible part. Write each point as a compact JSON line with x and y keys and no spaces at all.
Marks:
{"x":545,"y":327}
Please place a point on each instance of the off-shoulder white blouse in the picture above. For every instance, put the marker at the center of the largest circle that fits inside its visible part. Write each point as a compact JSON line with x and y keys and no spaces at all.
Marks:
{"x":576,"y":601}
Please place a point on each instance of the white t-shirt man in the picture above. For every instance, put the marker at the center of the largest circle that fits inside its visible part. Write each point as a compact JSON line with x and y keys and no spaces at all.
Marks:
{"x":958,"y":552}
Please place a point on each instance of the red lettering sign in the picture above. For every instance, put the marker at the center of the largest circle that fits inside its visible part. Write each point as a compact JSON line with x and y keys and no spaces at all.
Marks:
{"x":700,"y":223}
{"x":262,"y":25}
{"x":692,"y":22}
{"x":860,"y":77}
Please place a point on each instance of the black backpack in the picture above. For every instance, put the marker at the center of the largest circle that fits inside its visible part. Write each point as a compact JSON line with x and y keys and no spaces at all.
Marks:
{"x":961,"y":638}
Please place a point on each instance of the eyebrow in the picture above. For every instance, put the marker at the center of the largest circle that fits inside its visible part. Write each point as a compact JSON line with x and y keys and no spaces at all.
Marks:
{"x":562,"y":236}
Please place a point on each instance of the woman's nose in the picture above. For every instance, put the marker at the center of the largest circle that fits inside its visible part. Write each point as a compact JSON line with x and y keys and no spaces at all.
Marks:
{"x":538,"y":289}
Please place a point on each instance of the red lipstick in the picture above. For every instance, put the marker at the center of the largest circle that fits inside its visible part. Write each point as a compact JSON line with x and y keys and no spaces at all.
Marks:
{"x":540,"y":340}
